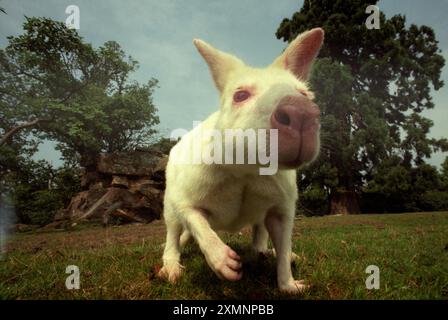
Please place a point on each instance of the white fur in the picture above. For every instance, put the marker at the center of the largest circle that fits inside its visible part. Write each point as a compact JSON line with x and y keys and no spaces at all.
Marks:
{"x":200,"y":198}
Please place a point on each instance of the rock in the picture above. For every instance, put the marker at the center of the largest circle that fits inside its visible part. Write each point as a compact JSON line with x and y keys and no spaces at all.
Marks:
{"x":144,"y":206}
{"x":54,"y":225}
{"x":128,"y":215}
{"x":26,"y":227}
{"x":159,"y":171}
{"x":120,"y":181}
{"x":126,"y":185}
{"x":137,"y":163}
{"x":88,"y":178}
{"x":150,"y":192}
{"x":98,"y":185}
{"x":144,"y":184}
{"x":82,"y":202}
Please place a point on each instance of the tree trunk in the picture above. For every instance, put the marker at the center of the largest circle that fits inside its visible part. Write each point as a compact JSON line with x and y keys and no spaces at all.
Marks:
{"x":344,"y":202}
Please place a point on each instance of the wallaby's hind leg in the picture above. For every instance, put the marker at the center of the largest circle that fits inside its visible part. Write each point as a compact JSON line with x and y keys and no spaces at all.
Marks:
{"x":172,"y":269}
{"x":280,"y":231}
{"x":185,"y":237}
{"x":260,"y":237}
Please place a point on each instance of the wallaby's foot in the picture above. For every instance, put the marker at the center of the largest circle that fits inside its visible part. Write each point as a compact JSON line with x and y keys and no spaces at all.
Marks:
{"x":226,"y":263}
{"x":294,"y":287}
{"x":294,"y":258}
{"x":171,"y":271}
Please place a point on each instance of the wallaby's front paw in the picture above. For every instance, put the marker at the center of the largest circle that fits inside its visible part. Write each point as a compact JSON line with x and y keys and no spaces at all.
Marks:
{"x":294,"y":287}
{"x":226,"y":264}
{"x":171,"y":271}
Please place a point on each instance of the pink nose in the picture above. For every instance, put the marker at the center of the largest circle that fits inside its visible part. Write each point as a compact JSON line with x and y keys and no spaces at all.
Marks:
{"x":295,"y":113}
{"x":297,"y":121}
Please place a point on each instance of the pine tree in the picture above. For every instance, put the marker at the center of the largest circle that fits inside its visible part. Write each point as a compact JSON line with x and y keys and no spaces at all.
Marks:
{"x":372,"y":86}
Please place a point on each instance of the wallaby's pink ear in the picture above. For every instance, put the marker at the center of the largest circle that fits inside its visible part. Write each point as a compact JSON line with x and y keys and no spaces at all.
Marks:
{"x":301,"y":52}
{"x":221,"y":64}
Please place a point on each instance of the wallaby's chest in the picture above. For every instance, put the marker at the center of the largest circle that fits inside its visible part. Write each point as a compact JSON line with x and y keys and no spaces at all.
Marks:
{"x":235,"y":203}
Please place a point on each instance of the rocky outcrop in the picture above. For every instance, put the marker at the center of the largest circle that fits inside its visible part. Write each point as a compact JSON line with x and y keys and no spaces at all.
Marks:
{"x":128,"y":186}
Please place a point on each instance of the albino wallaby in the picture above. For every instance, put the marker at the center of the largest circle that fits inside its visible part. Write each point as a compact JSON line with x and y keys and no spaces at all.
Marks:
{"x":203,"y":197}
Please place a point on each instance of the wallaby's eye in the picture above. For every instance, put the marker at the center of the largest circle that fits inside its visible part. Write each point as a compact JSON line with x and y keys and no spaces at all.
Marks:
{"x":241,"y":95}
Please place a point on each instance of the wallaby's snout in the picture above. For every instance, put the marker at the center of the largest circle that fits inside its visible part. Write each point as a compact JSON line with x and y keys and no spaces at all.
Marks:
{"x":297,"y":120}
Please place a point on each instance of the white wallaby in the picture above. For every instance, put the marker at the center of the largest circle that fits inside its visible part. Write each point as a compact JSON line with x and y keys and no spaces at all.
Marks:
{"x":201,"y":198}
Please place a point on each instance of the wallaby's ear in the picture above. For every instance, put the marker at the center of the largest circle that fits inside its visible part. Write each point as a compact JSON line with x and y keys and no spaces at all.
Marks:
{"x":301,"y":52}
{"x":221,"y":64}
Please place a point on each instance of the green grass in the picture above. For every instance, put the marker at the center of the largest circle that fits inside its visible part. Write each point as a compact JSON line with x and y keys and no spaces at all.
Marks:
{"x":119,"y":262}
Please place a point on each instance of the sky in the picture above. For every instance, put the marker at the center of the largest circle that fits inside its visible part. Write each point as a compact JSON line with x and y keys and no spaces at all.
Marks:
{"x":159,"y":35}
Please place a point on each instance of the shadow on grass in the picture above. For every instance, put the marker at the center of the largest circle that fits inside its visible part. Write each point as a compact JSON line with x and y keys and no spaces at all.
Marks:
{"x":258,"y":281}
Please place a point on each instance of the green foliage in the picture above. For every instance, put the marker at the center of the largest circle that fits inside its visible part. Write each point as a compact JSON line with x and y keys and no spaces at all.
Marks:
{"x":396,"y":187}
{"x":434,"y":200}
{"x":39,"y":191}
{"x":372,"y":86}
{"x":36,"y":207}
{"x":444,"y":175}
{"x":82,"y":95}
{"x":313,"y":201}
{"x":163,"y":145}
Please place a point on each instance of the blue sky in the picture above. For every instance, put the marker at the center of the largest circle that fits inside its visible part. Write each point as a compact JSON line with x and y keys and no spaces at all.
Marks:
{"x":159,"y":35}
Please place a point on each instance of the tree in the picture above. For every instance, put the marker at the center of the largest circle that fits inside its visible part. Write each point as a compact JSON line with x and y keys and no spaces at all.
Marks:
{"x":60,"y":87}
{"x":370,"y":85}
{"x":40,"y":190}
{"x":444,"y":175}
{"x":397,"y":188}
{"x":163,"y":145}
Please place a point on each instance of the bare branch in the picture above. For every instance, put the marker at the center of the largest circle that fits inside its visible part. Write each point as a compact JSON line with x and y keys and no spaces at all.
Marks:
{"x":16,"y":129}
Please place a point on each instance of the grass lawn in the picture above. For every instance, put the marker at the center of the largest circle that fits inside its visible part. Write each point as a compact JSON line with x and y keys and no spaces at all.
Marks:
{"x":119,"y":262}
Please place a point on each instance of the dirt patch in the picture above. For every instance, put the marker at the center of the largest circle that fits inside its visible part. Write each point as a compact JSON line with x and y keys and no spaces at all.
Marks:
{"x":90,"y":238}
